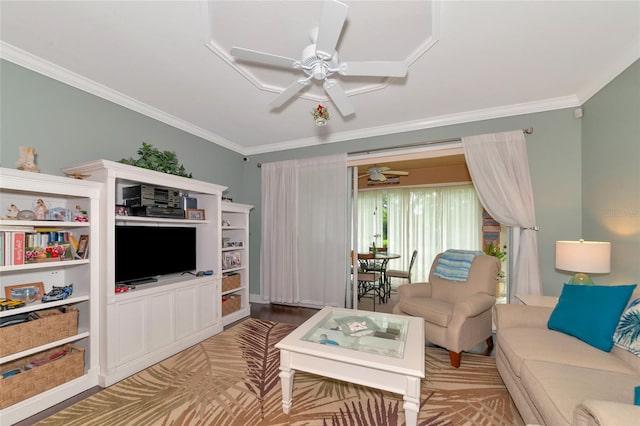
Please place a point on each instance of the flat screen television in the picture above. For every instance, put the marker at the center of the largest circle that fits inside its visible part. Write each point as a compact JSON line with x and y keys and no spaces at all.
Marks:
{"x":145,"y":252}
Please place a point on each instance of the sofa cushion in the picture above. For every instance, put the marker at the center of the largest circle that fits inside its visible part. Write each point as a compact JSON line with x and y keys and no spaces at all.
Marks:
{"x":627,"y":334}
{"x":521,"y":344}
{"x":556,"y":389}
{"x":590,"y":312}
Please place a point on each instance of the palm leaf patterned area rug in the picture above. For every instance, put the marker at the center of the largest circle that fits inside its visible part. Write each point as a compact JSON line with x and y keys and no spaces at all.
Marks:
{"x":232,"y":379}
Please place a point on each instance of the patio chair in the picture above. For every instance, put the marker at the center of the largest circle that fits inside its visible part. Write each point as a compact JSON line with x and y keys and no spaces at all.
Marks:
{"x":398,"y":273}
{"x":369,"y":280}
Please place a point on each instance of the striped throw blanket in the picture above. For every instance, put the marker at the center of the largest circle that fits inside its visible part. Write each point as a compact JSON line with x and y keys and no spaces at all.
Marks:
{"x":454,"y":264}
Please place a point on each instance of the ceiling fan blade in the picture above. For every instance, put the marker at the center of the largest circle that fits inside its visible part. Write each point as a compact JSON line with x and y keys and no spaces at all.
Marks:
{"x":382,"y":178}
{"x":263,"y":58}
{"x":334,"y":13}
{"x":289,"y":93}
{"x":396,"y":173}
{"x":339,"y":98}
{"x":374,"y":69}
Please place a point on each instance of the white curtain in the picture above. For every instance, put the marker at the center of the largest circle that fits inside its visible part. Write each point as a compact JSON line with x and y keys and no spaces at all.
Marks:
{"x":370,"y":215}
{"x":499,"y":168}
{"x":303,"y":258}
{"x":431,"y":220}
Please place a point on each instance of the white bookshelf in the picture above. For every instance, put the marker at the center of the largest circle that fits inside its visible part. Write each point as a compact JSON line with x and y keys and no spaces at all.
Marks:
{"x":23,"y":189}
{"x":235,"y":232}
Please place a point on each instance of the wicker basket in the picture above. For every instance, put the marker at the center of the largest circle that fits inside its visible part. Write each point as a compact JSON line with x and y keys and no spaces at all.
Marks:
{"x":230,"y":282}
{"x":39,"y":379}
{"x":30,"y":334}
{"x":231,"y":303}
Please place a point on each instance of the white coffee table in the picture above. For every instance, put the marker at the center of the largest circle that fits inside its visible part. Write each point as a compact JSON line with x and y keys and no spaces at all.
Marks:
{"x":391,"y":360}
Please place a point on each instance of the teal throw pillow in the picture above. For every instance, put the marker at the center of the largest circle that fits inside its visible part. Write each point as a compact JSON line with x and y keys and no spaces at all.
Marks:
{"x":590,"y":312}
{"x":627,"y":335}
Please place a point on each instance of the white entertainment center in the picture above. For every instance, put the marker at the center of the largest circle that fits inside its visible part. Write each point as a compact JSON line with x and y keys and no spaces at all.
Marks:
{"x":146,"y":324}
{"x":120,"y":329}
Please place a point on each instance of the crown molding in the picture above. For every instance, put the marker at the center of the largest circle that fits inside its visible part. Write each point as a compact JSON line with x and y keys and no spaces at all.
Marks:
{"x":56,"y":72}
{"x":41,"y":66}
{"x":429,"y":123}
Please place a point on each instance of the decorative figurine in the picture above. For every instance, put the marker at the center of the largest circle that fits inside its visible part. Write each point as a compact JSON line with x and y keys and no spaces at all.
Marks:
{"x":80,"y":215}
{"x":40,"y":209}
{"x":27,"y":160}
{"x":13,"y":212}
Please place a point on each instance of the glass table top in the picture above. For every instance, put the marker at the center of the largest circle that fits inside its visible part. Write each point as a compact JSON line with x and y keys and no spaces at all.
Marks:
{"x":369,"y":332}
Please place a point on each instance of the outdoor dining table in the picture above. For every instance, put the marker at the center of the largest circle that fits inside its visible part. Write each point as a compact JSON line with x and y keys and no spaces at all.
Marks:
{"x":379,"y":263}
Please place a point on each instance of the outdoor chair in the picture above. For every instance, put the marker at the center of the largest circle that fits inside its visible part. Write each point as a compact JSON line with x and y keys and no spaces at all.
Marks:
{"x":369,"y":280}
{"x":398,"y":273}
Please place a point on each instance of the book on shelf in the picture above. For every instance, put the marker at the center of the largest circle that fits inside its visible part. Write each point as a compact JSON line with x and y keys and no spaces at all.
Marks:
{"x":82,"y":249}
{"x":18,"y":248}
{"x":8,"y":248}
{"x":13,"y":247}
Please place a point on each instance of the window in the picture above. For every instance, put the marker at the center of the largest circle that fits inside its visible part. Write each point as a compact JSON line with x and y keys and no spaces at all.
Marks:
{"x":430,"y":219}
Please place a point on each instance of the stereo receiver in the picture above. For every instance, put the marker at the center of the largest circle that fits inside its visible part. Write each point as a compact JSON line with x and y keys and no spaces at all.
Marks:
{"x":147,"y":195}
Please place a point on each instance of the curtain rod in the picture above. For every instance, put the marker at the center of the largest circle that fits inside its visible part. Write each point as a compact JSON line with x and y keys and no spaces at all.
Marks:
{"x":527,"y":131}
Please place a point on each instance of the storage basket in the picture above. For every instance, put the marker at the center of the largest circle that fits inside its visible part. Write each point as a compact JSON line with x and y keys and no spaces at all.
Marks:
{"x":230,"y":282}
{"x":39,"y":379}
{"x":30,"y":334}
{"x":231,"y":303}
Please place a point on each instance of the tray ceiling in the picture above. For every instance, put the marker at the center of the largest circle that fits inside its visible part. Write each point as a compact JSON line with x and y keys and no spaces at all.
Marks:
{"x":468,"y":60}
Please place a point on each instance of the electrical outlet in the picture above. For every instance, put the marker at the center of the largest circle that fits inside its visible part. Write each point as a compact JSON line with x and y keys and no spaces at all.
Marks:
{"x":55,"y":278}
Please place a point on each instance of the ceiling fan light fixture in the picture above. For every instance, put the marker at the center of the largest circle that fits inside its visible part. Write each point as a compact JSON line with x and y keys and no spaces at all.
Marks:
{"x":320,"y":115}
{"x":320,"y":61}
{"x":374,"y":173}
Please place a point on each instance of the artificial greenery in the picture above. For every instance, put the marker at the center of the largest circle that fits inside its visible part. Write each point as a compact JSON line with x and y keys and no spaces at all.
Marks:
{"x":161,"y":161}
{"x":500,"y":253}
{"x":493,"y":250}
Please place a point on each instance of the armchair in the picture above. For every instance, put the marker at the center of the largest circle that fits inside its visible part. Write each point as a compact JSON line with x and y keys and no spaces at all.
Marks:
{"x":457,"y":314}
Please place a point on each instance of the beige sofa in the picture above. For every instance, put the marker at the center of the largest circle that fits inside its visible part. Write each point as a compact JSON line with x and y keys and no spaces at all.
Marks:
{"x":556,"y":379}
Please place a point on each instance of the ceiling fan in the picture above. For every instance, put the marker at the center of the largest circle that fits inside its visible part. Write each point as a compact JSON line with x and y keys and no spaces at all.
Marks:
{"x":378,"y":173}
{"x":320,"y":60}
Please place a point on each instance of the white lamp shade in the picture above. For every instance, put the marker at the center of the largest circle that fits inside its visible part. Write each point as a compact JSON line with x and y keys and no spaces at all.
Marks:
{"x":591,"y":257}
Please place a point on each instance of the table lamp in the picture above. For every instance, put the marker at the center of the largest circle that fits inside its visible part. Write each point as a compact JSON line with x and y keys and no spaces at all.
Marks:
{"x":583,"y":257}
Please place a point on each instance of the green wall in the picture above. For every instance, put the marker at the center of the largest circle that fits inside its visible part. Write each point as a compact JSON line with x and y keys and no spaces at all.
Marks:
{"x":68,"y":126}
{"x":611,"y":174}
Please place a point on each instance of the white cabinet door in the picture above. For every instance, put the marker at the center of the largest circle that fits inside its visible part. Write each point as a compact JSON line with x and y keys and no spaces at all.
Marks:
{"x":131,"y":329}
{"x":186,"y":312}
{"x":161,"y":320}
{"x":207,"y":311}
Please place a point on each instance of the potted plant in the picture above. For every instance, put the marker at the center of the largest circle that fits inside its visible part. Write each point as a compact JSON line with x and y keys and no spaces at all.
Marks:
{"x":498,"y":252}
{"x":161,"y":161}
